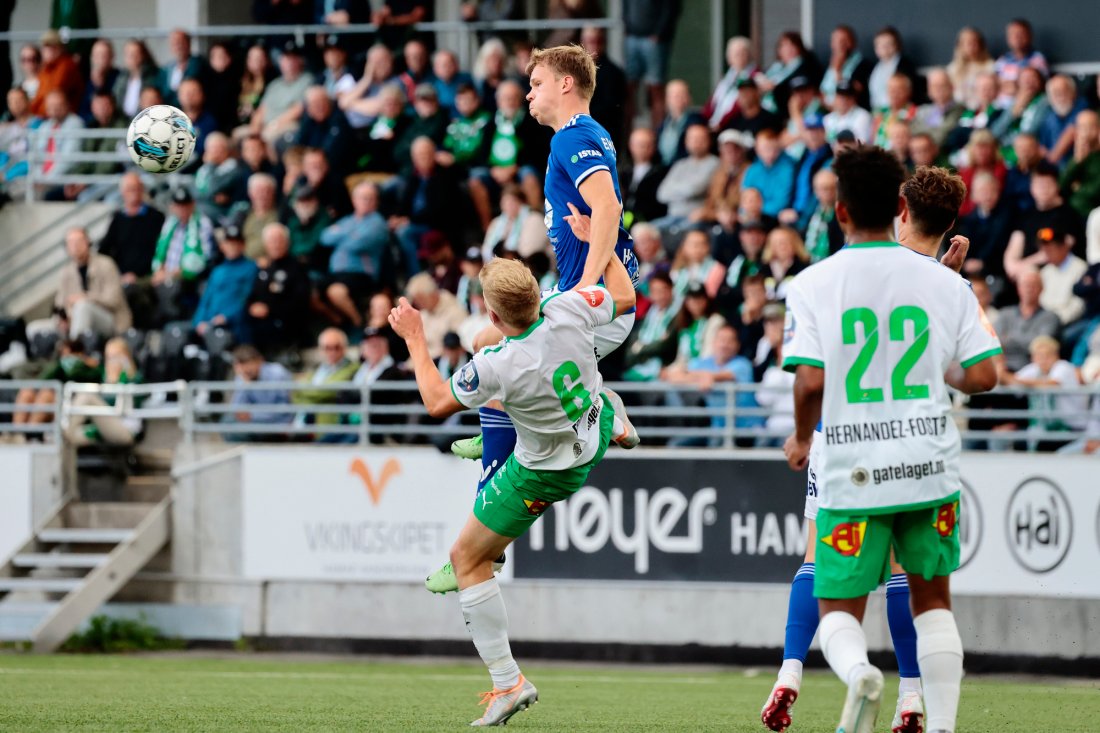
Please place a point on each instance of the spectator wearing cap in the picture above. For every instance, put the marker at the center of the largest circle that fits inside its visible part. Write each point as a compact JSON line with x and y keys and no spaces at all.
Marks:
{"x":439,"y":309}
{"x":281,"y":106}
{"x":609,"y":106}
{"x":186,"y":242}
{"x":724,"y":191}
{"x":1081,"y":178}
{"x":679,"y":116}
{"x":59,"y":72}
{"x":447,"y":78}
{"x":942,"y":113}
{"x":772,"y":173}
{"x":51,"y":142}
{"x":469,"y":134}
{"x":517,"y":229}
{"x":250,"y":367}
{"x":336,"y":78}
{"x":224,"y":300}
{"x":846,"y":114}
{"x":816,"y":155}
{"x":891,"y":61}
{"x":184,"y":65}
{"x":721,"y":108}
{"x":429,"y":120}
{"x":846,"y":65}
{"x":430,"y":203}
{"x":641,"y":177}
{"x":454,"y":355}
{"x":325,"y":127}
{"x":751,"y":116}
{"x":899,"y":108}
{"x":684,"y":188}
{"x":1062,"y":271}
{"x":220,"y":179}
{"x":131,"y":241}
{"x":1050,"y":212}
{"x":305,"y":219}
{"x":279,"y":296}
{"x":359,"y":242}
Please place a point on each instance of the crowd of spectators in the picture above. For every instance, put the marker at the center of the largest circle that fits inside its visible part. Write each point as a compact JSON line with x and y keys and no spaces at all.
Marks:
{"x":350,"y":171}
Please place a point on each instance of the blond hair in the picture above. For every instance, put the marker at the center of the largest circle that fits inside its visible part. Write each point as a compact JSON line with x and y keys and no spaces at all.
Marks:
{"x":571,"y":60}
{"x":792,"y":236}
{"x":1044,"y":343}
{"x":511,"y":291}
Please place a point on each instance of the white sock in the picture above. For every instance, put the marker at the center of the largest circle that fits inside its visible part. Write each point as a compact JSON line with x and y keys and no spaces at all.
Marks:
{"x":487,"y":621}
{"x":791,"y":666}
{"x":940,"y":655}
{"x":844,"y":644}
{"x":908,"y":684}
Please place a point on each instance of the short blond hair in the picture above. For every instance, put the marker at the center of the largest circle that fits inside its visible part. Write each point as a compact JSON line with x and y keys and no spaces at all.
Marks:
{"x":511,"y":291}
{"x":571,"y":60}
{"x":1044,"y":343}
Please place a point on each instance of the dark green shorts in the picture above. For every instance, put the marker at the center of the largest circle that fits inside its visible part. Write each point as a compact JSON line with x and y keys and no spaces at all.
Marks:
{"x":517,"y":496}
{"x":853,"y":550}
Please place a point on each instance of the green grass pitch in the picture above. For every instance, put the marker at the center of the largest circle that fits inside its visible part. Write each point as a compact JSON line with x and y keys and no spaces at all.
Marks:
{"x":278,"y":693}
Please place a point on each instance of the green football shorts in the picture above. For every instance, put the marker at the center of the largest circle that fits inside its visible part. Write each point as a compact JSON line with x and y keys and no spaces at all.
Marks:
{"x":517,"y":496}
{"x":853,"y":551}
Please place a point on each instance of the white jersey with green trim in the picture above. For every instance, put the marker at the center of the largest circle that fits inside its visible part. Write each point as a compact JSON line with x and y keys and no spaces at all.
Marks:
{"x":548,"y":380}
{"x":885,"y":323}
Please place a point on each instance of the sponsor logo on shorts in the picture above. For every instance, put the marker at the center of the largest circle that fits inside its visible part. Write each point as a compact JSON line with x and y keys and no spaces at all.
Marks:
{"x":847,"y":538}
{"x":375,"y":485}
{"x":594,"y":298}
{"x":536,"y":507}
{"x":1039,"y":525}
{"x":946,"y":520}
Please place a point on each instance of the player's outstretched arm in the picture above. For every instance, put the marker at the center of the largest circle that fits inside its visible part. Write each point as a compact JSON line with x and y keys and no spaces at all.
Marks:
{"x":809,"y":388}
{"x":598,"y":191}
{"x":619,"y":285}
{"x":434,"y":391}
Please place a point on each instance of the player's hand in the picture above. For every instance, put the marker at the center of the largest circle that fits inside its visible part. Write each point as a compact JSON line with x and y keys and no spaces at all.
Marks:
{"x":955,"y":255}
{"x":405,"y":320}
{"x":797,"y":453}
{"x":581,"y":224}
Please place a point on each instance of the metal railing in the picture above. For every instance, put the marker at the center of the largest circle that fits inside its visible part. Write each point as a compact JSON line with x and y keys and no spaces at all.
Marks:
{"x":12,"y":415}
{"x":665,"y":414}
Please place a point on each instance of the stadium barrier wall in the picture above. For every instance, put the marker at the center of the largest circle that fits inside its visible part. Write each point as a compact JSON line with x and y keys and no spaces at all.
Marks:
{"x":331,"y":544}
{"x":30,"y":490}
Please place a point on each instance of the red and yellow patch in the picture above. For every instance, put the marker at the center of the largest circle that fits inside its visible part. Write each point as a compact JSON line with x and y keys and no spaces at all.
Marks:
{"x":847,"y":538}
{"x":536,"y":507}
{"x":947,"y":518}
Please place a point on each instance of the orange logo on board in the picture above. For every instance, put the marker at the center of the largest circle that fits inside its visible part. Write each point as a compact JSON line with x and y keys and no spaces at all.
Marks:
{"x":594,"y":297}
{"x":947,"y":518}
{"x":847,"y":538}
{"x":375,"y":487}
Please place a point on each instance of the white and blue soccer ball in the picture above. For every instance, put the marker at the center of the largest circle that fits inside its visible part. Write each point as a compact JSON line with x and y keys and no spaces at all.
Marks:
{"x":161,"y":138}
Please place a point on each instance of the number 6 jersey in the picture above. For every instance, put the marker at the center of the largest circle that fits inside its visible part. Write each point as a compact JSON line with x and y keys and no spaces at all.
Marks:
{"x":885,"y":323}
{"x":548,"y":380}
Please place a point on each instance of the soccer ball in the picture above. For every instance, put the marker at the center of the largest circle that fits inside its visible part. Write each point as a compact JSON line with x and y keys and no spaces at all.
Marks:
{"x":160,"y":139}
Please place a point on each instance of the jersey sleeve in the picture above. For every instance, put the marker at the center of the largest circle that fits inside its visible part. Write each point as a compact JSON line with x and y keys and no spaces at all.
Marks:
{"x":580,"y":153}
{"x":977,"y":340}
{"x":801,"y":342}
{"x":592,"y":305}
{"x":476,"y":384}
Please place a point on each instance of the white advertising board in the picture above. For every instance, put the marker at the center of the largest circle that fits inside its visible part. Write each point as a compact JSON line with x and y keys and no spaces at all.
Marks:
{"x":15,"y":499}
{"x":353,"y":514}
{"x":1030,"y":525}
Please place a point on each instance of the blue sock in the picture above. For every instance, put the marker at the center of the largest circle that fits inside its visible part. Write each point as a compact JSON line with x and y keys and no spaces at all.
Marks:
{"x":498,"y":440}
{"x":802,"y":614}
{"x":902,"y":631}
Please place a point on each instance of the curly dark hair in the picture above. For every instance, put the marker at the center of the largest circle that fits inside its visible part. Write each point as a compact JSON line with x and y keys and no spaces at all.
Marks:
{"x":868,"y":181}
{"x":933,"y":196}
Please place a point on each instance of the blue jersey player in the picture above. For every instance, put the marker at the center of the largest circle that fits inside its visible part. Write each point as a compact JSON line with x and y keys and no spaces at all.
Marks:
{"x":581,"y":182}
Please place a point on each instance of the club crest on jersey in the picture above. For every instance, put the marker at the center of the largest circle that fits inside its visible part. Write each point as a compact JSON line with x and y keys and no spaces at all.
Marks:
{"x":535,"y":507}
{"x":467,"y":378}
{"x":947,"y":518}
{"x":847,"y":538}
{"x":594,"y":298}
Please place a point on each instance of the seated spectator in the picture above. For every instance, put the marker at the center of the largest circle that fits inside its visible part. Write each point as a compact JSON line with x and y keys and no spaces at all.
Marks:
{"x":784,"y":257}
{"x":816,"y":156}
{"x":1028,"y":156}
{"x":470,"y":266}
{"x":139,"y":71}
{"x":985,"y":301}
{"x":1026,"y":109}
{"x":746,"y":313}
{"x":279,"y":298}
{"x":335,"y":368}
{"x":377,"y":141}
{"x":1051,"y":212}
{"x":378,"y":316}
{"x":518,"y":229}
{"x":1047,"y":371}
{"x":225,"y":298}
{"x":89,"y":294}
{"x":846,"y":114}
{"x":430,"y":202}
{"x":1088,"y":290}
{"x":767,"y":350}
{"x":942,"y":113}
{"x":891,"y":62}
{"x":305,"y":221}
{"x":219,"y":180}
{"x":693,"y":267}
{"x":751,"y":235}
{"x":454,"y":356}
{"x":30,"y":64}
{"x":679,"y":116}
{"x":82,"y":430}
{"x":72,"y":365}
{"x":640,"y":179}
{"x":1062,"y":271}
{"x":376,"y":362}
{"x":417,"y":66}
{"x":1056,"y":134}
{"x":1089,"y":442}
{"x":684,"y":188}
{"x":697,"y":323}
{"x":983,"y":113}
{"x":987,"y":226}
{"x":59,"y":73}
{"x":1018,"y":325}
{"x":222,"y":85}
{"x":652,"y":343}
{"x":1081,"y":178}
{"x":923,"y":151}
{"x":804,"y":106}
{"x":468,"y":134}
{"x":776,"y":384}
{"x":982,"y":156}
{"x":15,"y":137}
{"x":447,"y":78}
{"x":325,"y":127}
{"x":1020,"y":54}
{"x":102,"y":76}
{"x":772,"y":174}
{"x":261,"y":209}
{"x":51,"y":140}
{"x":104,"y":116}
{"x":751,"y":115}
{"x":336,"y":78}
{"x":184,"y":248}
{"x":277,"y":117}
{"x":359,"y":242}
{"x":184,"y":65}
{"x":131,"y":241}
{"x":363,"y":102}
{"x":430,"y":121}
{"x":970,"y":62}
{"x":724,"y":191}
{"x":439,"y":309}
{"x":792,"y":60}
{"x":823,"y":233}
{"x":330,"y":188}
{"x":650,"y":252}
{"x":192,"y":100}
{"x":490,"y":69}
{"x":249,"y":367}
{"x":254,"y":156}
{"x":518,"y":154}
{"x":751,"y":207}
{"x":846,"y":65}
{"x":722,"y":105}
{"x":899,"y":108}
